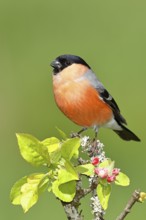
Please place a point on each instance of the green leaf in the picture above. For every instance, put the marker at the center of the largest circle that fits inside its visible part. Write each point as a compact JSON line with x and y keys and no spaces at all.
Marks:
{"x":105,"y":163}
{"x":32,"y":150}
{"x":55,"y":156}
{"x":111,"y":167}
{"x":51,"y":143}
{"x":67,"y":173}
{"x":29,"y":197}
{"x":103,"y":192}
{"x":54,"y":149}
{"x":64,"y":192}
{"x":122,"y":180}
{"x":62,"y":134}
{"x":26,"y":191}
{"x":65,"y":185}
{"x":86,"y":169}
{"x":70,"y":148}
{"x":15,"y":194}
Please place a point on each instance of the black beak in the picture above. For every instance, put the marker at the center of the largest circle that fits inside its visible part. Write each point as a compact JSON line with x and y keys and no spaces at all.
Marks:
{"x":55,"y":64}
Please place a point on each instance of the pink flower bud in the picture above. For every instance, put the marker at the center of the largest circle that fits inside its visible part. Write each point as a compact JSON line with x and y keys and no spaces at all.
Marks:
{"x":95,"y":161}
{"x":101,"y":172}
{"x":111,"y":179}
{"x":115,"y":171}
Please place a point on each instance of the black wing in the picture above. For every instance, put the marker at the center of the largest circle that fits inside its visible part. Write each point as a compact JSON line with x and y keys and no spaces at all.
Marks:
{"x":112,"y":103}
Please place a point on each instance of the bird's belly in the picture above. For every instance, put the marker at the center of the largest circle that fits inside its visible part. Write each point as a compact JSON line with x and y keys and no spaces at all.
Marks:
{"x":83,"y":105}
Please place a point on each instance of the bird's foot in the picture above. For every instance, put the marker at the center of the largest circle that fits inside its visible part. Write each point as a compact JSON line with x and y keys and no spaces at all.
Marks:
{"x":78,"y":133}
{"x":73,"y":135}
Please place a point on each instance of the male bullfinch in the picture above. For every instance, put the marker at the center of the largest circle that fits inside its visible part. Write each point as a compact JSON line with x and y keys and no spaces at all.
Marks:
{"x":83,"y":98}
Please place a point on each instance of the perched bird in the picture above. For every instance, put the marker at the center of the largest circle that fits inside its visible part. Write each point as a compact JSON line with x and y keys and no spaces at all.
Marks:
{"x":83,"y":98}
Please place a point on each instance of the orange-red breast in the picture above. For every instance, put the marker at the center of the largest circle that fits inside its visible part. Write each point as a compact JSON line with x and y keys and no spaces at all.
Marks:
{"x":83,"y":98}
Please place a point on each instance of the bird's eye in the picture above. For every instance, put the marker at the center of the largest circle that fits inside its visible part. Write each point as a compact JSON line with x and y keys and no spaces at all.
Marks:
{"x":67,"y":63}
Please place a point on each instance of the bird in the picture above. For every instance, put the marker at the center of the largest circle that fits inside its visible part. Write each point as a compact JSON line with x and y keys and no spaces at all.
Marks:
{"x":83,"y":99}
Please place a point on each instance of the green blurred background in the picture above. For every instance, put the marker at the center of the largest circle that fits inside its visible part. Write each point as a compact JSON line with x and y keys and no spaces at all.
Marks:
{"x":111,"y":36}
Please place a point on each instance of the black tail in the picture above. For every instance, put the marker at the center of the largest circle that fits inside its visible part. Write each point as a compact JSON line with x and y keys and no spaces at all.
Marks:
{"x":126,"y":134}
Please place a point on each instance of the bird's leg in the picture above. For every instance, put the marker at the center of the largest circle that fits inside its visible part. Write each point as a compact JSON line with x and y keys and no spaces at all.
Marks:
{"x":96,"y":133}
{"x":83,"y":129}
{"x":93,"y":150}
{"x":78,"y":133}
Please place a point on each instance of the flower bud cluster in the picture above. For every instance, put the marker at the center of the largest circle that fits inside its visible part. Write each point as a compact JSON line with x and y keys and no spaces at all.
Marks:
{"x":104,"y":172}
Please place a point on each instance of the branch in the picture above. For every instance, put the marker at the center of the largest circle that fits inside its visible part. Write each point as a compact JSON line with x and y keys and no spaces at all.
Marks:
{"x":91,"y":148}
{"x":134,"y":198}
{"x":97,"y":209}
{"x":71,"y":211}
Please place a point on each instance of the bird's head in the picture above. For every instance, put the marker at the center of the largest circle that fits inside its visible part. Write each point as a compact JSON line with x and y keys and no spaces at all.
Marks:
{"x":66,"y":60}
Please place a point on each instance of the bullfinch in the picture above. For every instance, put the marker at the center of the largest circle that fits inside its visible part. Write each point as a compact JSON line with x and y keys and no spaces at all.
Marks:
{"x":83,"y":99}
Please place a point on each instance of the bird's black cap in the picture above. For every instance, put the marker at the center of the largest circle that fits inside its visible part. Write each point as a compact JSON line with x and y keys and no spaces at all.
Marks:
{"x":63,"y":61}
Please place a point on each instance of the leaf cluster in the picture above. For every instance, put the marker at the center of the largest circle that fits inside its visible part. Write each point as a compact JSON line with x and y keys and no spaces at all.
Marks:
{"x":60,"y":157}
